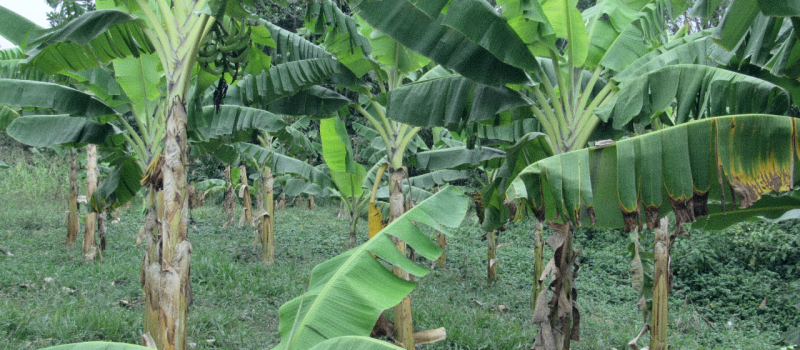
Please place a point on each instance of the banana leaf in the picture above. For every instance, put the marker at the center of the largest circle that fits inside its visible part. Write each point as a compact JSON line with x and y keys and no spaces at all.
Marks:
{"x":91,"y":40}
{"x":348,"y":292}
{"x":24,"y":93}
{"x":48,"y":130}
{"x":451,"y":101}
{"x":473,"y":40}
{"x":702,"y":168}
{"x":701,"y":92}
{"x":119,"y":187}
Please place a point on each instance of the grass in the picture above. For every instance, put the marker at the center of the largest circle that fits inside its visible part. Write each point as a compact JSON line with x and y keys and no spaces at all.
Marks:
{"x":236,"y":298}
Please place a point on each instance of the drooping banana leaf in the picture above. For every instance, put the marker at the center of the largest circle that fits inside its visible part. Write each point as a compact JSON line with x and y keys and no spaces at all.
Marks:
{"x":449,"y":158}
{"x":438,"y":178}
{"x":450,"y":101}
{"x":93,"y":39}
{"x":18,"y":29}
{"x":348,"y":292}
{"x":696,"y":49}
{"x":279,"y":163}
{"x":701,"y":92}
{"x":390,"y":53}
{"x":315,"y":101}
{"x":735,"y":23}
{"x":97,"y":346}
{"x":471,"y":38}
{"x":236,"y":122}
{"x":703,"y":168}
{"x":48,"y":130}
{"x":119,"y":187}
{"x":636,"y":37}
{"x":341,"y":36}
{"x":25,"y":93}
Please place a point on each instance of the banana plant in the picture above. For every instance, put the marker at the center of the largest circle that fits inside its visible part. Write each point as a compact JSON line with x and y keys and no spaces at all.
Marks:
{"x":573,"y":60}
{"x":355,"y":284}
{"x":711,"y":172}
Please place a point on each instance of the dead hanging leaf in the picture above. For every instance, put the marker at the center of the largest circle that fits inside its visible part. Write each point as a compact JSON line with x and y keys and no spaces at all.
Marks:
{"x":383,"y":328}
{"x":763,"y":303}
{"x":375,"y":221}
{"x":148,"y":341}
{"x":430,"y":336}
{"x":153,"y":177}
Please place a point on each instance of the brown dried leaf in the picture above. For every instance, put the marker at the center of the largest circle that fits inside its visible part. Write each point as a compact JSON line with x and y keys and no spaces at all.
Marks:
{"x":540,"y":313}
{"x":502,"y":308}
{"x":430,"y":336}
{"x":763,"y":303}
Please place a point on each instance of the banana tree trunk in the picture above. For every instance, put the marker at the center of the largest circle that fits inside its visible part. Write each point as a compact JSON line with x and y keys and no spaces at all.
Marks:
{"x":402,"y":312}
{"x":73,"y":223}
{"x":491,"y":257}
{"x":266,"y":229}
{"x":311,"y":205}
{"x":559,"y":325}
{"x":538,"y":262}
{"x":441,"y":241}
{"x":283,"y":201}
{"x":244,"y":192}
{"x":353,"y":223}
{"x":229,"y":205}
{"x":661,"y":286}
{"x":101,"y":230}
{"x":150,"y":276}
{"x":89,"y":241}
{"x":174,"y":288}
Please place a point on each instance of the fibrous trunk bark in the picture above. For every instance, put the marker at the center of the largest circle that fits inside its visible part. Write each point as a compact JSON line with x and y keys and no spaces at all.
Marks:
{"x":491,"y":257}
{"x":311,"y":205}
{"x":402,"y":312}
{"x":267,"y":220}
{"x":73,"y":223}
{"x":89,"y":241}
{"x":353,"y":222}
{"x":559,"y":325}
{"x":166,"y":271}
{"x":661,"y":287}
{"x":283,"y":201}
{"x":244,"y":193}
{"x":101,"y":230}
{"x":229,"y":205}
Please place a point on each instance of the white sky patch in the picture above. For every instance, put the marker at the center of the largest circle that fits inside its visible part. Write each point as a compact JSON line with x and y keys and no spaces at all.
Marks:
{"x":34,"y":10}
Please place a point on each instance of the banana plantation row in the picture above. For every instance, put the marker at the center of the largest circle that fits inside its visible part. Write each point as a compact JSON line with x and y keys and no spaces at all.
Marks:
{"x":603,"y":117}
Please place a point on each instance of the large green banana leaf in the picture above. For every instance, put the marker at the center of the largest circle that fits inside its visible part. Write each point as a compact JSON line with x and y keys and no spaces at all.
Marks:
{"x":702,"y":168}
{"x":390,"y":53}
{"x":236,"y":122}
{"x":348,"y":292}
{"x":93,"y":39}
{"x":97,"y":346}
{"x":736,"y":23}
{"x":18,"y":29}
{"x":338,"y":155}
{"x":697,"y":48}
{"x":450,"y":101}
{"x":448,"y":158}
{"x":315,"y":101}
{"x":25,"y":93}
{"x":351,"y":342}
{"x":341,"y":36}
{"x":140,"y":78}
{"x":470,"y":38}
{"x":120,"y":186}
{"x":701,"y":92}
{"x":49,"y":130}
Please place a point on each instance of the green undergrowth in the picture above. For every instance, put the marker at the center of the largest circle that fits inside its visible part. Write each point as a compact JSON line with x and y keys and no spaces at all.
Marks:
{"x":48,"y":296}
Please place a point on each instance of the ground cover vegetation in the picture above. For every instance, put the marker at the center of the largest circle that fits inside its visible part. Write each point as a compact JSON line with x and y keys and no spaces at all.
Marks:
{"x":609,"y":114}
{"x":240,"y":295}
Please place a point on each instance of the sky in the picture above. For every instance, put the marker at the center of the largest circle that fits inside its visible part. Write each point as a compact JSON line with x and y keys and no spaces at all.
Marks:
{"x":34,"y":10}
